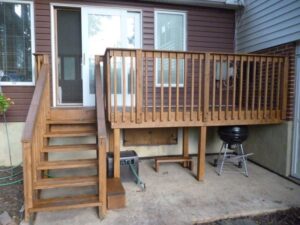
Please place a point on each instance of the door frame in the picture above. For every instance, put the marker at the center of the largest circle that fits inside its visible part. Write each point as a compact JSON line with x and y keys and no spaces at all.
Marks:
{"x":53,"y":35}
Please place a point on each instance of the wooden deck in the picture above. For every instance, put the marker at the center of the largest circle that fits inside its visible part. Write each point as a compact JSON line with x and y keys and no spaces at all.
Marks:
{"x":145,"y":89}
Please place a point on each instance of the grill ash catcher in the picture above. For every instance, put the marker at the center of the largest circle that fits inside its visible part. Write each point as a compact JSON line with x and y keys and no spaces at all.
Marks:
{"x":129,"y":167}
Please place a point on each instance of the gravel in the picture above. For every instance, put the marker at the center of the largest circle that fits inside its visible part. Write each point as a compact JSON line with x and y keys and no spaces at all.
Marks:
{"x":286,"y":217}
{"x":11,"y":196}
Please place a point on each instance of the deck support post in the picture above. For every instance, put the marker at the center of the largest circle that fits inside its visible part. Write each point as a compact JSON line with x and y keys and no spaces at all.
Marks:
{"x":116,"y":153}
{"x":201,"y":153}
{"x":185,"y":145}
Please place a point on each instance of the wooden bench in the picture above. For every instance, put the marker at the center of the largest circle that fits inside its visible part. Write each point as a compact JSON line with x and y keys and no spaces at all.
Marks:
{"x":186,"y":161}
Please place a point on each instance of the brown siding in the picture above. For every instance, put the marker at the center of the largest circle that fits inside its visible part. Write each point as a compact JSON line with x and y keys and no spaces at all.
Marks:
{"x":289,"y":50}
{"x":208,"y":29}
{"x":21,"y":96}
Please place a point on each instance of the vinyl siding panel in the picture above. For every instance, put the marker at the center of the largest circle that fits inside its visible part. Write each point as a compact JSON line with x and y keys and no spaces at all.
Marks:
{"x":264,"y":24}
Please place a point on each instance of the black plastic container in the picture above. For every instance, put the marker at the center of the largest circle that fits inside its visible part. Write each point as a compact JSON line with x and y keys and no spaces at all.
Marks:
{"x":126,"y":158}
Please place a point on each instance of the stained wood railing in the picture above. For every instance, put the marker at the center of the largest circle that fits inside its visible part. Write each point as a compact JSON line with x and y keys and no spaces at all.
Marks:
{"x":102,"y":135}
{"x":166,"y":88}
{"x":35,"y":128}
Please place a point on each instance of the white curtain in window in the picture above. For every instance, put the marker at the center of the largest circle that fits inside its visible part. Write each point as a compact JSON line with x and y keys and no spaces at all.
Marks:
{"x":170,"y":35}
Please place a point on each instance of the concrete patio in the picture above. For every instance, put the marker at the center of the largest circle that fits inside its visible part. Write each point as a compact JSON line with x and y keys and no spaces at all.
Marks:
{"x":173,"y":196}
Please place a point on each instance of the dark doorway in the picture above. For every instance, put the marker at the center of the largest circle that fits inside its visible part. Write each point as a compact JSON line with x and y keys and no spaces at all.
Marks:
{"x":69,"y":52}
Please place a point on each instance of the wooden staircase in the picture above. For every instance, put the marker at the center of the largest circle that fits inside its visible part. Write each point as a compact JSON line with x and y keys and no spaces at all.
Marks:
{"x":50,"y":132}
{"x":58,"y":128}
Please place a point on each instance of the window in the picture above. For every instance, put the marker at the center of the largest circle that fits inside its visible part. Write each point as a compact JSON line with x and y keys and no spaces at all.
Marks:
{"x":16,"y":43}
{"x":168,"y":23}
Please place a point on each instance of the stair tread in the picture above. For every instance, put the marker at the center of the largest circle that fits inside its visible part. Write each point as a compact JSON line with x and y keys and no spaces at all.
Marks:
{"x":72,"y":202}
{"x":48,"y":183}
{"x":85,"y":121}
{"x":67,"y":164}
{"x":68,"y":148}
{"x":71,"y":133}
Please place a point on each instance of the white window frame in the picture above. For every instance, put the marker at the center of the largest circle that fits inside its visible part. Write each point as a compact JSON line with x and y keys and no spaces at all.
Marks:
{"x":182,"y":13}
{"x":30,"y":83}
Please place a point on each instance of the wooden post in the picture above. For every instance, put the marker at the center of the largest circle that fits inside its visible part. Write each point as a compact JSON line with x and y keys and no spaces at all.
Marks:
{"x":206,"y":87}
{"x":102,"y":175}
{"x":201,"y":153}
{"x":285,"y":87}
{"x":139,"y":86}
{"x":27,"y":179}
{"x":116,"y":153}
{"x":185,"y":144}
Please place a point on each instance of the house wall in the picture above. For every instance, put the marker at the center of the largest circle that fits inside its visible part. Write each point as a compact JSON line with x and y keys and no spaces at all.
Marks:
{"x":208,"y":29}
{"x":263,"y":24}
{"x":15,"y":130}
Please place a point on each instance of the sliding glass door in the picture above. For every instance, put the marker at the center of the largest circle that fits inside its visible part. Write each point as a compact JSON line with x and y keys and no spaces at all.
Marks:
{"x":101,"y":29}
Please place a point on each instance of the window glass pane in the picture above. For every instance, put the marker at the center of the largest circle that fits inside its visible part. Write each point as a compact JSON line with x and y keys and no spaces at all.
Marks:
{"x":15,"y":42}
{"x":168,"y":24}
{"x":69,"y":68}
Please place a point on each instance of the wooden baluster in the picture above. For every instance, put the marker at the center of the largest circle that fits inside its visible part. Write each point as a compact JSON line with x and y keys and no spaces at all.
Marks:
{"x":146,"y":88}
{"x":170,"y":88}
{"x":227,"y":87}
{"x":193,"y":87}
{"x":177,"y":87}
{"x":131,"y":87}
{"x":241,"y":87}
{"x":161,"y":87}
{"x":185,"y":86}
{"x":115,"y":90}
{"x":234,"y":87}
{"x":213,"y":89}
{"x":139,"y":85}
{"x":266,"y":88}
{"x":259,"y":88}
{"x":108,"y":84}
{"x":247,"y":88}
{"x":206,"y":87}
{"x":220,"y":87}
{"x":285,"y":88}
{"x":154,"y":89}
{"x":278,"y":88}
{"x":254,"y":87}
{"x":272,"y":89}
{"x":200,"y":86}
{"x":124,"y":88}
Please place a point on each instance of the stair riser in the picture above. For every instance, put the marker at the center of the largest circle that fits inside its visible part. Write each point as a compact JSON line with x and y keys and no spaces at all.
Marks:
{"x":73,"y":114}
{"x":72,"y":127}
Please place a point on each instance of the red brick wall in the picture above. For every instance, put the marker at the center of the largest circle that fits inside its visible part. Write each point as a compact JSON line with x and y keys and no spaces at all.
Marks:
{"x":289,"y":50}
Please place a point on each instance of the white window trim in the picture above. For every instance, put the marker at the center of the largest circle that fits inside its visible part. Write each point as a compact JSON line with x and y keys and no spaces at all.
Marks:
{"x":31,"y":83}
{"x":183,"y":13}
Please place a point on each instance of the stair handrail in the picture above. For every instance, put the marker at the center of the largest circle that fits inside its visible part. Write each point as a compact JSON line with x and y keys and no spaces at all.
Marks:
{"x":102,"y":135}
{"x":41,"y":88}
{"x":35,"y":128}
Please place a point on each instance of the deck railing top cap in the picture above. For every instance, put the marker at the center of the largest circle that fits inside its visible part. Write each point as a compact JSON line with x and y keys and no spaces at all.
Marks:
{"x":193,"y":52}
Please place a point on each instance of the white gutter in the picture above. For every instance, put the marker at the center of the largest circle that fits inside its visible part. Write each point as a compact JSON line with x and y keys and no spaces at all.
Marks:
{"x":228,"y":4}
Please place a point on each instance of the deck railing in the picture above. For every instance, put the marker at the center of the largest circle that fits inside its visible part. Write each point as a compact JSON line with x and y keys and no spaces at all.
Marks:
{"x":35,"y":128}
{"x":147,"y":88}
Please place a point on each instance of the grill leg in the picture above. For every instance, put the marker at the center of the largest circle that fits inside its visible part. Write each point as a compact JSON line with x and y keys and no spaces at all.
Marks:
{"x":244,"y":159}
{"x":223,"y":158}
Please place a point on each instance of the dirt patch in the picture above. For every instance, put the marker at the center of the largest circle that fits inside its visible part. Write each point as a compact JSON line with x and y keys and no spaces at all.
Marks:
{"x":11,"y":196}
{"x":286,"y":217}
